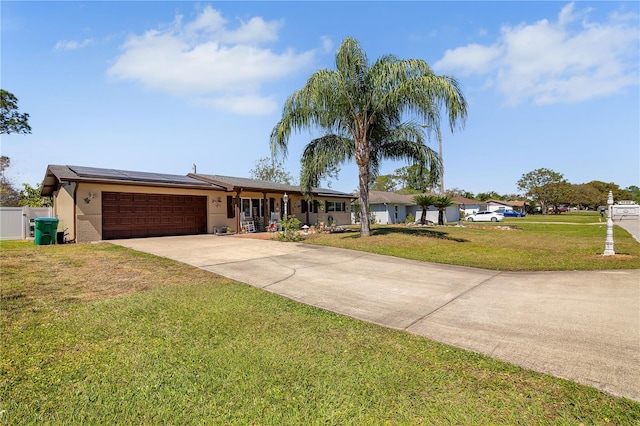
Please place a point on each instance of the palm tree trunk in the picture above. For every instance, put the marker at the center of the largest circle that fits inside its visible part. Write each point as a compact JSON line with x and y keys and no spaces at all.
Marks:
{"x":362,"y":160}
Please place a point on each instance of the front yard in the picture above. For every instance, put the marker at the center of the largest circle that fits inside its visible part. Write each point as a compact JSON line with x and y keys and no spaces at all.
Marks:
{"x":99,"y":334}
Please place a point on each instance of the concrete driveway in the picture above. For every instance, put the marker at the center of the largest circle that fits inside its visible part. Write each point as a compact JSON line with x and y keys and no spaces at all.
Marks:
{"x":631,"y":224}
{"x":582,"y":326}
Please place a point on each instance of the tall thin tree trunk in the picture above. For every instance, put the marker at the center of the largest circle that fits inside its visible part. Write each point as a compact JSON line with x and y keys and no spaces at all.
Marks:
{"x":362,"y":160}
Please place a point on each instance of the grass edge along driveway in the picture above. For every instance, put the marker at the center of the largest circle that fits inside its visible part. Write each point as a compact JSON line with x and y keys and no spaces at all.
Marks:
{"x":517,"y":244}
{"x":103,"y":334}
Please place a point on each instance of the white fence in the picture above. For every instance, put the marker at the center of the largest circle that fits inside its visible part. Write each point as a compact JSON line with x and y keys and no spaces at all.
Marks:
{"x":15,"y":222}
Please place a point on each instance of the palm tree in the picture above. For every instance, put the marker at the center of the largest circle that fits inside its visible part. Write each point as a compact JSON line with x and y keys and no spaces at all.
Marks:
{"x":441,"y":204}
{"x":359,"y":108}
{"x":424,"y":201}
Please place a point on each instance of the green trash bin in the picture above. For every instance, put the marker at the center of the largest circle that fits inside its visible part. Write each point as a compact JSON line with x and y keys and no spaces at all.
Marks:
{"x":45,"y":230}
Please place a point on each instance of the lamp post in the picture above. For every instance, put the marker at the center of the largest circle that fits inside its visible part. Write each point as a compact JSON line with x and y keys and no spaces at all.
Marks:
{"x":424,"y":126}
{"x":286,"y":201}
{"x":608,"y":242}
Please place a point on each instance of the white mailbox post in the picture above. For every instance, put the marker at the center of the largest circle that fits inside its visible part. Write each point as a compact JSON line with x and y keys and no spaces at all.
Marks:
{"x":608,"y":242}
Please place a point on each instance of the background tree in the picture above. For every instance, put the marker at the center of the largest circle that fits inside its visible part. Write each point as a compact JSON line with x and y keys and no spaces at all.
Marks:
{"x":604,"y":188}
{"x":512,"y":197}
{"x":486,"y":196}
{"x":441,"y":203}
{"x":359,"y":107}
{"x":12,"y":121}
{"x":271,"y":170}
{"x":387,"y":183}
{"x":417,"y":178}
{"x":558,"y":193}
{"x":424,"y":201}
{"x":30,"y":196}
{"x":635,"y":193}
{"x":9,"y":195}
{"x":586,"y":196}
{"x":459,"y":192}
{"x":537,"y":185}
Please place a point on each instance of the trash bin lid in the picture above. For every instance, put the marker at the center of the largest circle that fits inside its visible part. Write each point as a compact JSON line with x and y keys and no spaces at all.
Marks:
{"x":46,"y":219}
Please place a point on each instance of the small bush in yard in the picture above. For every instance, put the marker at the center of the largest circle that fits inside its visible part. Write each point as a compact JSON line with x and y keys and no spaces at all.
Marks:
{"x":290,"y":229}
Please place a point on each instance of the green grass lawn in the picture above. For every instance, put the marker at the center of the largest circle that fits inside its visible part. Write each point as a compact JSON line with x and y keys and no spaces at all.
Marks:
{"x":99,"y":334}
{"x":573,"y":241}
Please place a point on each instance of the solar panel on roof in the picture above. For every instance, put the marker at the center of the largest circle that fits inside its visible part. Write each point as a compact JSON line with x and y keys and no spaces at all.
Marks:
{"x":93,"y":172}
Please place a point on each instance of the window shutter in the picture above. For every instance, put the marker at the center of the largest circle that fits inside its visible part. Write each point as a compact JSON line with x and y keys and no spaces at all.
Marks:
{"x":230,"y":207}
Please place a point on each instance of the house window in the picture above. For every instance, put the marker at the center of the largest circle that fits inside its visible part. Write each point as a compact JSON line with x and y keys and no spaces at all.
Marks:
{"x":312,"y":206}
{"x":336,"y":206}
{"x":251,"y":207}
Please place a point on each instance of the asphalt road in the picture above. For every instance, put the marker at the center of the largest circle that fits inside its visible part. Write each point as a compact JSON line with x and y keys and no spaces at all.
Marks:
{"x":629,"y":223}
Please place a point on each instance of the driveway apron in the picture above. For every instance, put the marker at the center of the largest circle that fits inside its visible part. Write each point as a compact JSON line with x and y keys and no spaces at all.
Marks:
{"x":582,"y":326}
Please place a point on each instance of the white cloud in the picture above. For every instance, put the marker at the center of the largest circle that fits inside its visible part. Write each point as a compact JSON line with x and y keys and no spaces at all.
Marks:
{"x":566,"y":61}
{"x":327,"y":44}
{"x":470,"y":59}
{"x":205,"y":59}
{"x":243,"y":105}
{"x":72,"y":44}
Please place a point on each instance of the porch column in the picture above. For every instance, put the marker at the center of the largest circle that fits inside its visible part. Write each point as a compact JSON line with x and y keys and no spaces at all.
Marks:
{"x":265,"y":211}
{"x":237,"y":212}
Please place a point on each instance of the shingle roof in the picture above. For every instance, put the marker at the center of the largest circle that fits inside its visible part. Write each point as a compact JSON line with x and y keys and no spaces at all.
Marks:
{"x":509,"y":203}
{"x":381,"y":197}
{"x":56,"y":174}
{"x":237,"y":183}
{"x":463,"y":200}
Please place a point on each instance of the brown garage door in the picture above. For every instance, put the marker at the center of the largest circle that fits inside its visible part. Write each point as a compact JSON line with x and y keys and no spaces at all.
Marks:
{"x":128,"y":215}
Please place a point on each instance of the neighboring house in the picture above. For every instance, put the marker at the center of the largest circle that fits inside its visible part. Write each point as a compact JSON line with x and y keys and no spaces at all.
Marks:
{"x":101,"y":204}
{"x":390,"y":208}
{"x":495,"y":205}
{"x":470,"y":206}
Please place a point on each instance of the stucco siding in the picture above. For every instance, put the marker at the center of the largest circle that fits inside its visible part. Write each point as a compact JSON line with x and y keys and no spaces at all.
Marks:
{"x":63,"y":209}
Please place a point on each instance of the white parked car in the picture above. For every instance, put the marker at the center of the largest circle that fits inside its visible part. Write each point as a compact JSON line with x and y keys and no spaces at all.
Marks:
{"x":485,"y":217}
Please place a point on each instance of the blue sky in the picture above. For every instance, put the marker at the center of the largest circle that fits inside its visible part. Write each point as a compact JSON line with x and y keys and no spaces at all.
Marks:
{"x":159,"y":86}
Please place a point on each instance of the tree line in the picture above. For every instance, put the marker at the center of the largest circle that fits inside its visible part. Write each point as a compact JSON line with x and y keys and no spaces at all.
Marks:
{"x":544,"y":188}
{"x":549,"y":190}
{"x":14,"y":121}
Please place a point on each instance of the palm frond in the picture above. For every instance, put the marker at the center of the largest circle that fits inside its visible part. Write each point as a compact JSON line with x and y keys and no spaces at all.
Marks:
{"x":321,"y":155}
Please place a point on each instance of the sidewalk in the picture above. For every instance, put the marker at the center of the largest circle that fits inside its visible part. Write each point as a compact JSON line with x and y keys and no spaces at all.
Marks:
{"x":582,"y":326}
